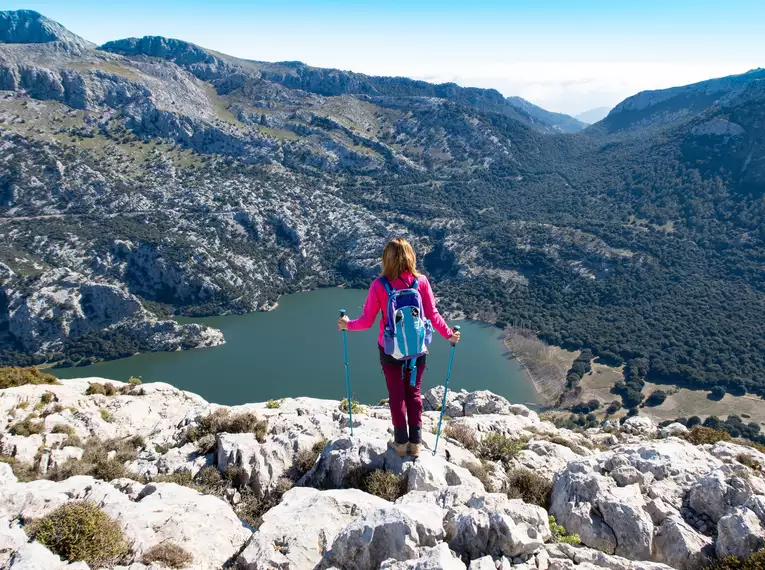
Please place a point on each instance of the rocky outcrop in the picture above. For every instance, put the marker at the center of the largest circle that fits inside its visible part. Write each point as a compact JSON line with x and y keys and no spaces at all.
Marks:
{"x":63,"y":305}
{"x":636,"y":505}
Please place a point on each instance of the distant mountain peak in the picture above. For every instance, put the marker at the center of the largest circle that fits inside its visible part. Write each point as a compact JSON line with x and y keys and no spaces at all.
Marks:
{"x":179,"y":51}
{"x":30,"y":27}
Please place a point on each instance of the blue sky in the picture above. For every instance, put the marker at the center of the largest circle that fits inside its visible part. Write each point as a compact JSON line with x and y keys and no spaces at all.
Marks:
{"x":566,"y":56}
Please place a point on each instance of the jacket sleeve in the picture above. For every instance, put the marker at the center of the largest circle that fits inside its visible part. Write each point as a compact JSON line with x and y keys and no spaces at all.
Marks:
{"x":369,"y":314}
{"x":429,"y":306}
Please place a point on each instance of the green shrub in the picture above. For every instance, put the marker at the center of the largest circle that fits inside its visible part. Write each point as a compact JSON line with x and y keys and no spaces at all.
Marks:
{"x":560,"y":534}
{"x":274,"y":404}
{"x":47,"y":398}
{"x":168,"y":554}
{"x":237,"y":476}
{"x":462,"y":433}
{"x":356,"y":408}
{"x":209,"y":477}
{"x":754,"y":562}
{"x":222,"y":421}
{"x":96,"y":462}
{"x":252,"y":508}
{"x":529,"y":486}
{"x":480,"y":471}
{"x":95,"y":388}
{"x":384,"y":484}
{"x":182,"y":477}
{"x":207,"y":444}
{"x":27,"y":427}
{"x":106,"y":415}
{"x":13,"y":376}
{"x":499,"y":447}
{"x":307,"y":457}
{"x":63,"y":428}
{"x":383,"y":402}
{"x":135,"y":381}
{"x":80,"y":530}
{"x":700,"y":435}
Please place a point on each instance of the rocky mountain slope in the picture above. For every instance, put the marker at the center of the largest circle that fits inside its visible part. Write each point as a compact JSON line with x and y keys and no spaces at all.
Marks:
{"x":168,"y":467}
{"x":190,"y":182}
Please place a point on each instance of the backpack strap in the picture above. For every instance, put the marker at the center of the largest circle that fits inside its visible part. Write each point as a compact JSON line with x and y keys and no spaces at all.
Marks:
{"x":415,"y":283}
{"x":387,"y":285}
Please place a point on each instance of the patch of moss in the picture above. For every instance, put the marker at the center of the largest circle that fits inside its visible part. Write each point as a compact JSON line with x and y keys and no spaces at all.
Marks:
{"x":80,"y":530}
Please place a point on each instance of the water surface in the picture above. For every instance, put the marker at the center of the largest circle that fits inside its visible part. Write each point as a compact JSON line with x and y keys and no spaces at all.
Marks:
{"x":296,"y":350}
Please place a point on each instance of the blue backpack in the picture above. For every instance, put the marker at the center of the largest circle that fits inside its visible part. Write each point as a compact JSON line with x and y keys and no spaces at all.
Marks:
{"x":407,"y":332}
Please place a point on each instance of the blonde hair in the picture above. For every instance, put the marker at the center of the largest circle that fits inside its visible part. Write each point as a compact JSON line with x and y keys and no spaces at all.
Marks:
{"x":398,"y":257}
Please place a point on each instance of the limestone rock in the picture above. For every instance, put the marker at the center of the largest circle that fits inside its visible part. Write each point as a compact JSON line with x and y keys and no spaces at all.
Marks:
{"x":673,"y":430}
{"x":639,"y":425}
{"x":390,"y":532}
{"x":483,"y":563}
{"x":430,"y":558}
{"x":305,"y":518}
{"x":715,"y":494}
{"x":740,"y":534}
{"x":680,"y":546}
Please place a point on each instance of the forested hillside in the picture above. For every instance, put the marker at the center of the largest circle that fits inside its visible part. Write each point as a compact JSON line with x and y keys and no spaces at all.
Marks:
{"x":192,"y":182}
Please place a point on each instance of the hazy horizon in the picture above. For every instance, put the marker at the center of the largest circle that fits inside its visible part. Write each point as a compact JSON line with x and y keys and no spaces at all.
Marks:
{"x":563,"y":58}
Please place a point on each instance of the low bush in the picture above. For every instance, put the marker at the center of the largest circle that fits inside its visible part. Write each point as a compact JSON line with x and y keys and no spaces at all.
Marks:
{"x":252,"y":508}
{"x":80,"y":530}
{"x":274,"y":404}
{"x":700,"y":435}
{"x":480,"y":471}
{"x":305,"y":458}
{"x":463,"y":433}
{"x":209,"y":478}
{"x":96,"y":461}
{"x":106,"y":415}
{"x":47,"y":398}
{"x":222,"y":421}
{"x":168,"y":554}
{"x":754,"y":562}
{"x":560,"y":534}
{"x":182,"y":477}
{"x":384,"y":484}
{"x":13,"y":376}
{"x":207,"y":444}
{"x":499,"y":447}
{"x":356,"y":408}
{"x":529,"y":486}
{"x":578,"y":449}
{"x":27,"y":426}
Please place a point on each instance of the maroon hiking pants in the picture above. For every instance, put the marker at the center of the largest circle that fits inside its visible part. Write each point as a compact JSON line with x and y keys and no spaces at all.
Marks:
{"x":405,"y":400}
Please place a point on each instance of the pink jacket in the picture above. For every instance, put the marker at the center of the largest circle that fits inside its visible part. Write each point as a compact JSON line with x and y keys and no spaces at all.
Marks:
{"x":377,"y":300}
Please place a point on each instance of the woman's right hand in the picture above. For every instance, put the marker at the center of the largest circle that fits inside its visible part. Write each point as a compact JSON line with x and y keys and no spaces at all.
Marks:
{"x":455,"y":338}
{"x":342,"y":323}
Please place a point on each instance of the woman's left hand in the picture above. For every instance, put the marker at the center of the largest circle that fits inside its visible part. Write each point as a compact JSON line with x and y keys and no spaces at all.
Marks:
{"x":342,"y":323}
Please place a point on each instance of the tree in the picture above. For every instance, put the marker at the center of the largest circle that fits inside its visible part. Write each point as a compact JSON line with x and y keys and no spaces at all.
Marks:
{"x":656,"y":398}
{"x":693,"y":421}
{"x":613,"y":407}
{"x":717,"y":393}
{"x":632,"y":398}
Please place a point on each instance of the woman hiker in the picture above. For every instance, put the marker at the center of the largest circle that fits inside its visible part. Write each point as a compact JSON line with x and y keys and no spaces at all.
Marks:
{"x":400,"y":271}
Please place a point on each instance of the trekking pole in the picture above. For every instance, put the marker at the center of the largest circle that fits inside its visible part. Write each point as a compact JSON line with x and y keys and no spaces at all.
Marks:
{"x":446,"y":389}
{"x":347,"y":376}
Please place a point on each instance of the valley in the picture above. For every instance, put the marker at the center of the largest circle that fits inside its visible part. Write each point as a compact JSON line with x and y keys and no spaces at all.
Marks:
{"x":151,"y":177}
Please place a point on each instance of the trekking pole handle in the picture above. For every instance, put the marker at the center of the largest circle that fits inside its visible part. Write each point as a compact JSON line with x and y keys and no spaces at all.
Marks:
{"x":456,"y":329}
{"x":342,"y":312}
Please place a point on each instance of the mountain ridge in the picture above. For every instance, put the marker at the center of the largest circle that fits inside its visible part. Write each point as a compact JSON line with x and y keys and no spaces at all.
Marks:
{"x":208,"y":188}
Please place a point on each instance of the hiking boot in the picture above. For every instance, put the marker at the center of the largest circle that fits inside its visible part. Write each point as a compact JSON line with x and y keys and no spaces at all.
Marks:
{"x":398,"y":448}
{"x":414,"y":449}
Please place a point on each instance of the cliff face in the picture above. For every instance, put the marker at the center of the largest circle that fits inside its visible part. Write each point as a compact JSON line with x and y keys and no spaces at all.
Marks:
{"x":177,"y":466}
